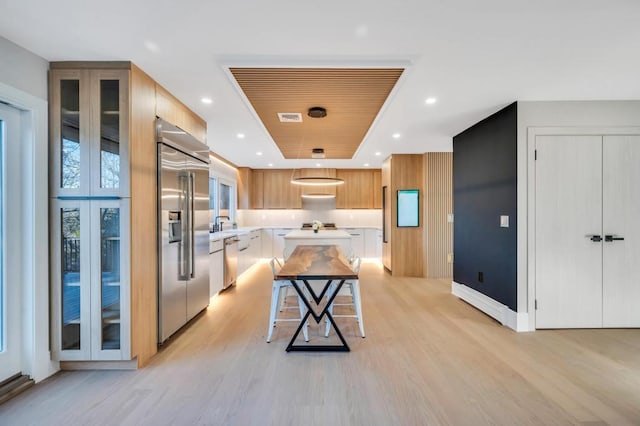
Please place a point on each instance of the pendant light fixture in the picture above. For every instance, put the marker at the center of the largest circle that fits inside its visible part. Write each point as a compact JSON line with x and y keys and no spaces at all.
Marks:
{"x":317,"y":112}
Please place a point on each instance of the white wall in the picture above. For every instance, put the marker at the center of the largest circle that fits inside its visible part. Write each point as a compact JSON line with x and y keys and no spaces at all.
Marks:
{"x":558,"y":114}
{"x":295,"y":218}
{"x":23,"y":84}
{"x":23,"y":70}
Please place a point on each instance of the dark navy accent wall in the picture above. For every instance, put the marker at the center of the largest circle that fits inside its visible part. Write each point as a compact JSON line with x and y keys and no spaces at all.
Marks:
{"x":484,"y":188}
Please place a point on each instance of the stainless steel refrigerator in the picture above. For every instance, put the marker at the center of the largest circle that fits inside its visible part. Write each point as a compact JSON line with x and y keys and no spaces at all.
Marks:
{"x":183,"y":228}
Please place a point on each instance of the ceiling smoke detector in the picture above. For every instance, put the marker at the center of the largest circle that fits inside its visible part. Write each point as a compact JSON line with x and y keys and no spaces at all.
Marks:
{"x":317,"y":153}
{"x":317,"y":112}
{"x":290,"y":117}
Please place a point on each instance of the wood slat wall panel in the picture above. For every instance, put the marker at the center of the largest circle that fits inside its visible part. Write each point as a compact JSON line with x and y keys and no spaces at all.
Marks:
{"x":438,"y":204}
{"x":352,"y":96}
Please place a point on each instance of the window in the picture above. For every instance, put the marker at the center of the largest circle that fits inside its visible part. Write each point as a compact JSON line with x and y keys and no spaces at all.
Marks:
{"x":222,"y":200}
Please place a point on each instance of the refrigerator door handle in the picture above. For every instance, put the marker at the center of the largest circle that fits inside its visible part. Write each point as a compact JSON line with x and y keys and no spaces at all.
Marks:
{"x":184,"y":244}
{"x":192,"y":233}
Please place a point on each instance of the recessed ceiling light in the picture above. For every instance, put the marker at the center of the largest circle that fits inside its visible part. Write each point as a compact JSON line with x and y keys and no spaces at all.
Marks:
{"x":430,"y":101}
{"x":396,"y":135}
{"x":240,"y":136}
{"x":207,"y":100}
{"x":318,"y":164}
{"x":270,"y":164}
{"x":378,"y":153}
{"x":259,"y":153}
{"x":366,"y":164}
{"x":152,"y":46}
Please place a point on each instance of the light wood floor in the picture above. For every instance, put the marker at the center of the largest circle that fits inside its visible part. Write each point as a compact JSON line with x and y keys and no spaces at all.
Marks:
{"x":428,"y":358}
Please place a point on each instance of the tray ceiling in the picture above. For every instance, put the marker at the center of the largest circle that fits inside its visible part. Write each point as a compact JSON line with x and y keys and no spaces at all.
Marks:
{"x":352,"y":97}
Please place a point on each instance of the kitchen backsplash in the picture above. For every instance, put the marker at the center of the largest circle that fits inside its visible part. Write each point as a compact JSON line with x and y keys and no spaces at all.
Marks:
{"x":295,"y":218}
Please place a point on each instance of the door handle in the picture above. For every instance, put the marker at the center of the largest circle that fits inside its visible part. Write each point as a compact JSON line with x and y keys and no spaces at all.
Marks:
{"x":611,"y":238}
{"x":596,"y":238}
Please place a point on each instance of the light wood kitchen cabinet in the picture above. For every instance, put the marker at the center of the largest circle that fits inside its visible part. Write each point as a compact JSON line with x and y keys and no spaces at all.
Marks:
{"x":279,"y":192}
{"x":256,"y":190}
{"x":250,"y":188}
{"x":169,"y":108}
{"x":323,"y":189}
{"x":103,"y":167}
{"x":245,"y":175}
{"x":272,"y":189}
{"x":377,"y":189}
{"x":402,"y":247}
{"x":357,"y":192}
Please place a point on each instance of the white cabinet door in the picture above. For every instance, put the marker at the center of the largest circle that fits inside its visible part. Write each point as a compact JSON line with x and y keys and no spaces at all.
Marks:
{"x":568,"y":213}
{"x":267,"y":243}
{"x":621,"y":219}
{"x":357,"y":241}
{"x":278,"y":241}
{"x":379,"y":243}
{"x":216,"y":272}
{"x":255,"y":246}
{"x":370,"y":242}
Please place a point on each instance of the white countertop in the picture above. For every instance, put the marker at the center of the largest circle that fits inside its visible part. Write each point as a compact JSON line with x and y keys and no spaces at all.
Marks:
{"x":321,"y":234}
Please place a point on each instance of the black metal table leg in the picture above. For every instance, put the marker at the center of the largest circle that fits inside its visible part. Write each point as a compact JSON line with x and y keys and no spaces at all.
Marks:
{"x":317,"y":318}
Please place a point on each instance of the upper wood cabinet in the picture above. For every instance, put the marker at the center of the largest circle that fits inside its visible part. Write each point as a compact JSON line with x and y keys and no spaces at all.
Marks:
{"x":256,"y":190}
{"x":244,"y":187}
{"x":272,"y":189}
{"x":322,"y":189}
{"x":279,"y":192}
{"x":175,"y":112}
{"x":358,"y":190}
{"x":377,"y":189}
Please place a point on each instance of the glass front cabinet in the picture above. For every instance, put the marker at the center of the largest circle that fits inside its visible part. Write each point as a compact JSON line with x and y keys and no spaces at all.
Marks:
{"x":89,"y":133}
{"x":89,"y":213}
{"x":90,"y":284}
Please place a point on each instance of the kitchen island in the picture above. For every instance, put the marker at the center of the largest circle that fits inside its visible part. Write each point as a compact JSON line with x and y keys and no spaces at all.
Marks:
{"x":322,"y":237}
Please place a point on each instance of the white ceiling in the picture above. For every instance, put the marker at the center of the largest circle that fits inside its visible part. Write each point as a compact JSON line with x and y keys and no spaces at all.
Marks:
{"x":474,"y":56}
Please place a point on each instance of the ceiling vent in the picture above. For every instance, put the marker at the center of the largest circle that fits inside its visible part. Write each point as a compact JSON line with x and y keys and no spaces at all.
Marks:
{"x":317,"y":153}
{"x":290,"y":117}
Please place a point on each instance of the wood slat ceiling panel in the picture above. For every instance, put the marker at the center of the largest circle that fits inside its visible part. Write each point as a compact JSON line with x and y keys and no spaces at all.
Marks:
{"x":352,"y":97}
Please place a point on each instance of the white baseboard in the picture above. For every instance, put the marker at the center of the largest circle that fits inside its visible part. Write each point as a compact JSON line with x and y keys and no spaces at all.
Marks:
{"x":518,"y":321}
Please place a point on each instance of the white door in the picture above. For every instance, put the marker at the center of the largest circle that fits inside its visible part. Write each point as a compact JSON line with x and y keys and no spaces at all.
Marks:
{"x":10,"y":217}
{"x":621,"y":219}
{"x":568,"y":215}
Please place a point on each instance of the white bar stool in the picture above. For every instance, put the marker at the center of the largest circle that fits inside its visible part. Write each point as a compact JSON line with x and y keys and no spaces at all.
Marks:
{"x":277,"y":303}
{"x":354,"y":288}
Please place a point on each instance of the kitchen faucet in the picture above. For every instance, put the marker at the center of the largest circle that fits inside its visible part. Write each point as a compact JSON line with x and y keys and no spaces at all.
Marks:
{"x":217,"y":225}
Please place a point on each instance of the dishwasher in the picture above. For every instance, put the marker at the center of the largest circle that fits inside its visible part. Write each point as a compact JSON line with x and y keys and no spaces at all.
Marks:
{"x":230,"y":261}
